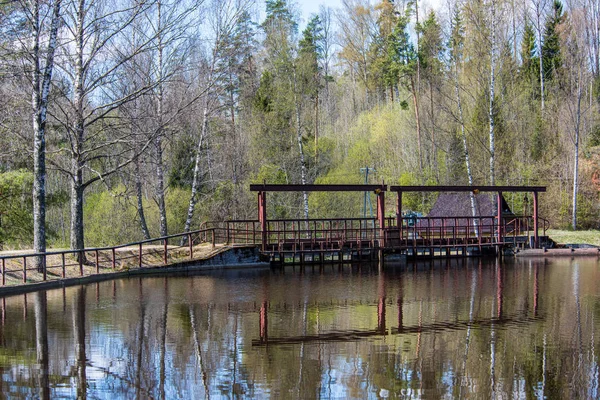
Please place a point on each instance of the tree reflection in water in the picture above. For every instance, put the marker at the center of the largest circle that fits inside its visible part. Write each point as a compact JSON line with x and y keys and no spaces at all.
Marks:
{"x":460,"y":329}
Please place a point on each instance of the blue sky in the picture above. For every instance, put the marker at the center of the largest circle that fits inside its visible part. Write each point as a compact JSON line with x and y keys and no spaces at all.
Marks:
{"x":312,"y":6}
{"x":308,"y":7}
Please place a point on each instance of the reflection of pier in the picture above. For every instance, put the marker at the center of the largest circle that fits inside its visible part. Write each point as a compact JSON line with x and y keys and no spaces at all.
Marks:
{"x":499,"y":320}
{"x":342,"y":239}
{"x":351,"y":335}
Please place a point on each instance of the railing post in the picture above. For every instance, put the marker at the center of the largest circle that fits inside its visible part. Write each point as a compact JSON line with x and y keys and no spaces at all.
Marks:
{"x":24,"y":269}
{"x":64,"y":269}
{"x":191,"y":245}
{"x":140,"y":256}
{"x":3,"y":271}
{"x":165,"y":251}
{"x":114,"y":256}
{"x":45,"y":266}
{"x":212,"y":238}
{"x":97,"y":261}
{"x":80,"y":262}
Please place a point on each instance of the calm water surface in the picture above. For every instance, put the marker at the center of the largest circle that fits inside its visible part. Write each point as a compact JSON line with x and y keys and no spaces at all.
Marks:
{"x":447,"y":329}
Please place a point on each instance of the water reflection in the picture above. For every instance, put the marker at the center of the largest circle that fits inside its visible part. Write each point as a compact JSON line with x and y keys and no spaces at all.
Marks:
{"x":454,"y":328}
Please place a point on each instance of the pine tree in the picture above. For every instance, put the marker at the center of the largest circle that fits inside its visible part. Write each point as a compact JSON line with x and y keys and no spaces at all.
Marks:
{"x":551,"y":53}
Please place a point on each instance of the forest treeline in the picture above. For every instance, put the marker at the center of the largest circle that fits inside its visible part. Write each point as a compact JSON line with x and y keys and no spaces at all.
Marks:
{"x":126,"y":119}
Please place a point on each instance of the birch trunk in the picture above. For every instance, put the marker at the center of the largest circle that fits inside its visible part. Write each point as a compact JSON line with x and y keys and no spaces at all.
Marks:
{"x":77,"y":186}
{"x":538,"y":12}
{"x":418,"y":121}
{"x":140,"y":203}
{"x":300,"y":149}
{"x":196,"y":178}
{"x":433,"y":144}
{"x":492,"y":94}
{"x":466,"y":153}
{"x":40,"y":93}
{"x":576,"y":162}
{"x":160,"y":186}
{"x":160,"y":170}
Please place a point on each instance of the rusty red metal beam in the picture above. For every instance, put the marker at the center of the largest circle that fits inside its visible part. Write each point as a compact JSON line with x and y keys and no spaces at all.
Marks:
{"x":317,"y":188}
{"x":534,"y":189}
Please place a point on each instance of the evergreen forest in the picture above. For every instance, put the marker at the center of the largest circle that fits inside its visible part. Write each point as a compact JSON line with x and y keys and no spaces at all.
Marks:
{"x":128,"y":119}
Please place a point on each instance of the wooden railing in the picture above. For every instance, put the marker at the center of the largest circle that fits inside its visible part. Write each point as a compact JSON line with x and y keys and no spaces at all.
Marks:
{"x":332,"y":233}
{"x":60,"y":264}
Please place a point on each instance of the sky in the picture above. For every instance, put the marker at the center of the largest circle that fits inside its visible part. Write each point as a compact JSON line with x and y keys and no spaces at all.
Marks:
{"x":309,"y":7}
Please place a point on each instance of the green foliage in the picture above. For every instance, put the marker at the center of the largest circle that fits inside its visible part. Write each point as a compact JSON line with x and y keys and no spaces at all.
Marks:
{"x":271,"y":173}
{"x":551,"y":51}
{"x":16,"y":208}
{"x":401,"y":54}
{"x":181,"y":173}
{"x":431,"y":48}
{"x":594,"y":139}
{"x":111,"y":216}
{"x":530,"y":67}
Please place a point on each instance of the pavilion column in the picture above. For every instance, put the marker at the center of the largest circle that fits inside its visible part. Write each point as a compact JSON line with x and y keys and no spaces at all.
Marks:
{"x":536,"y":239}
{"x":262,"y":218}
{"x":399,"y":214}
{"x":381,"y":214}
{"x":499,"y":217}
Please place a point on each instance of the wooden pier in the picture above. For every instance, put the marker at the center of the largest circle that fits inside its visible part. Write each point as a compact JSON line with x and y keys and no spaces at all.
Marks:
{"x":339,"y":240}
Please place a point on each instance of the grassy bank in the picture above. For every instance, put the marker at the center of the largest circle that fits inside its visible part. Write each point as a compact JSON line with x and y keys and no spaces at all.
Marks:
{"x":575,"y":237}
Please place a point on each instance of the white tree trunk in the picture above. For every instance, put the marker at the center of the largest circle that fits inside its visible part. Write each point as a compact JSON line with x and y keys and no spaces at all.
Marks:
{"x":539,"y":9}
{"x":303,"y":171}
{"x":466,"y":152}
{"x":160,"y":169}
{"x":196,"y":177}
{"x":40,"y":92}
{"x":492,"y":94}
{"x":576,"y":161}
{"x":77,"y":187}
{"x":140,"y":202}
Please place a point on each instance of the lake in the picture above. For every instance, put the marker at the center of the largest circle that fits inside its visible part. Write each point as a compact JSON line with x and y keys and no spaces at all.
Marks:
{"x":456,"y":328}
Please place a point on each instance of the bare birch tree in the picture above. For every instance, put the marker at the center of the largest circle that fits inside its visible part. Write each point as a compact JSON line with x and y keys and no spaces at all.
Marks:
{"x":539,"y":10}
{"x":225,"y":15}
{"x":492,"y":89}
{"x":41,"y":57}
{"x":90,"y":64}
{"x":456,"y":53}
